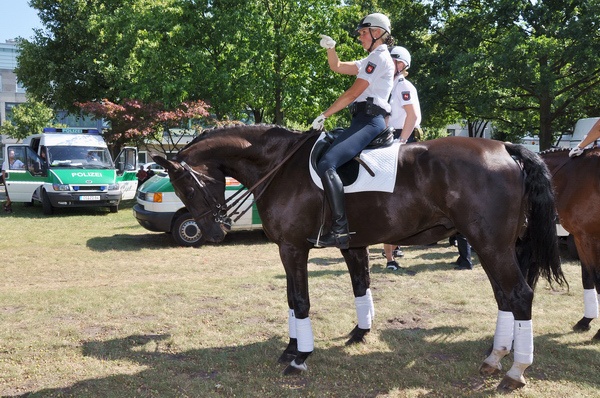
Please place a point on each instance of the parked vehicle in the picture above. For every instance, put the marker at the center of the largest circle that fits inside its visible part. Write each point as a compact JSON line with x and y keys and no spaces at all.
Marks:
{"x":153,"y":166}
{"x":159,"y":209}
{"x":70,"y":168}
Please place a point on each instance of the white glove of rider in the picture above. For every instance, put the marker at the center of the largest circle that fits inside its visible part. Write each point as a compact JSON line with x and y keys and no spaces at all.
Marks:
{"x":575,"y":152}
{"x":319,"y":122}
{"x":327,"y":42}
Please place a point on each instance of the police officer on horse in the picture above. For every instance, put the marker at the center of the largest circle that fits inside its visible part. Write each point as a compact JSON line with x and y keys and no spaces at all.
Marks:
{"x":367,"y":99}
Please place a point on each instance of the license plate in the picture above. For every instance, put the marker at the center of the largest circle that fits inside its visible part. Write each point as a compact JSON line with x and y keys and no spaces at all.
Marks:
{"x":89,"y":198}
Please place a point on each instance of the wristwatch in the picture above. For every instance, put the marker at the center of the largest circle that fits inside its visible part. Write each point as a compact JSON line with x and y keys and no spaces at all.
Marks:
{"x":402,"y":140}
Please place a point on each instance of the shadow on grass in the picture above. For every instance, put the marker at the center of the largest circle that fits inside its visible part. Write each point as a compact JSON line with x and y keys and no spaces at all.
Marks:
{"x":434,"y":361}
{"x":157,"y":240}
{"x":26,"y":210}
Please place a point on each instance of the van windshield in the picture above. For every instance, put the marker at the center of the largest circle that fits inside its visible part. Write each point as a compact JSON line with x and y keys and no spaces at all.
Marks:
{"x":81,"y":157}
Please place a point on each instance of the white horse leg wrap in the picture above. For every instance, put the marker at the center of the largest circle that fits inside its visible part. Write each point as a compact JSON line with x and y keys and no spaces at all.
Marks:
{"x":503,"y":338}
{"x":292,"y":324}
{"x":365,"y":310}
{"x":306,"y":340}
{"x":524,"y":342}
{"x":590,"y":303}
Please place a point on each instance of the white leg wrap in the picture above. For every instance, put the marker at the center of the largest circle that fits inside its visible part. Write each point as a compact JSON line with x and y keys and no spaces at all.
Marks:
{"x":292,"y":324}
{"x":524,"y":342}
{"x":503,"y":338}
{"x":306,"y":340}
{"x":365,"y":310}
{"x":590,"y":303}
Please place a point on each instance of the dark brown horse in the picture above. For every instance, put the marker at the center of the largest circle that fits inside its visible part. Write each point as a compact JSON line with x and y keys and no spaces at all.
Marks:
{"x":577,"y":191}
{"x":498,"y":195}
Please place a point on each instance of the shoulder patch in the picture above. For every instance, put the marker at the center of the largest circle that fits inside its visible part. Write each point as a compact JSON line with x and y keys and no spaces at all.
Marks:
{"x":406,"y":95}
{"x":370,"y":68}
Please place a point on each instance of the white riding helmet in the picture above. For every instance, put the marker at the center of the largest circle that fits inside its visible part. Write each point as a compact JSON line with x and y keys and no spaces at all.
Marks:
{"x":376,"y":20}
{"x":399,"y":53}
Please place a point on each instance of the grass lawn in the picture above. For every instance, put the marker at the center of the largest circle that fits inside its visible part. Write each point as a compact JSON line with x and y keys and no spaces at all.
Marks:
{"x":93,"y":305}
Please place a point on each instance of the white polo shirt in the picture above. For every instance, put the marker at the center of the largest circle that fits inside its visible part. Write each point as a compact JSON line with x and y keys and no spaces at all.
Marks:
{"x":404,"y":93}
{"x":378,"y":70}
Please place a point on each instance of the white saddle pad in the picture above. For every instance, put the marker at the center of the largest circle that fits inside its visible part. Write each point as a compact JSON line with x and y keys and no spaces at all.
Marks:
{"x":383,"y":162}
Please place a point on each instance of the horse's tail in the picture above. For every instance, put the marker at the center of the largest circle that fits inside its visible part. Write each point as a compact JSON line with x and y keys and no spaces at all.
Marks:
{"x":537,"y":248}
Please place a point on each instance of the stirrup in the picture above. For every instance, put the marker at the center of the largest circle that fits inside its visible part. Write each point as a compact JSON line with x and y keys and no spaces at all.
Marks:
{"x":341,"y":241}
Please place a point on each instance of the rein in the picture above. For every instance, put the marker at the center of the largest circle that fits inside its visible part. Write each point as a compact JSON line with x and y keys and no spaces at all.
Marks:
{"x":221,"y":210}
{"x":267,"y":177}
{"x":560,"y":166}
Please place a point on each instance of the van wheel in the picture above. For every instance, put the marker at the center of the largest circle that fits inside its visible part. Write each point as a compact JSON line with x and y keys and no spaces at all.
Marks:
{"x":185,"y":231}
{"x":47,"y":208}
{"x":571,"y":248}
{"x":114,"y":209}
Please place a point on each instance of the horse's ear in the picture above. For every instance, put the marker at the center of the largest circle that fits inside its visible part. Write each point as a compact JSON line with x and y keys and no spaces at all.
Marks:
{"x":167,"y":164}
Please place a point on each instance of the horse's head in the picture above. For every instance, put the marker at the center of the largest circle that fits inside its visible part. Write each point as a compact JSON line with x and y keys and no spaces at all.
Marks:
{"x":202,"y":191}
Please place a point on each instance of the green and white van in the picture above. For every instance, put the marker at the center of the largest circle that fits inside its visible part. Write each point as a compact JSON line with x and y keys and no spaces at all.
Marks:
{"x":158,"y":209}
{"x":69,"y":168}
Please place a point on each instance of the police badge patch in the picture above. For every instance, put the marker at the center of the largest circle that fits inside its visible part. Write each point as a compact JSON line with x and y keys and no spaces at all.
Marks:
{"x":406,"y":95}
{"x":370,"y":68}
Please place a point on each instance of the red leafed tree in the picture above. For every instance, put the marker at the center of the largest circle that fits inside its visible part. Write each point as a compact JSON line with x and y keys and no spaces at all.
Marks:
{"x":137,"y":123}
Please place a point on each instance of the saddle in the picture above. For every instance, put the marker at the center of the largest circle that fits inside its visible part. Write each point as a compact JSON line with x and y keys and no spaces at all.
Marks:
{"x":348,"y":172}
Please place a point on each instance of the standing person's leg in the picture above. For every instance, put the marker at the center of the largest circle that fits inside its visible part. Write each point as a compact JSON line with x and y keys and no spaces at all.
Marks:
{"x":464,"y":252}
{"x":392,"y":264}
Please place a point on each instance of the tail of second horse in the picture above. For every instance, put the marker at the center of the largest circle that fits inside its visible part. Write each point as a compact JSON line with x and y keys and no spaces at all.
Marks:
{"x":537,"y":248}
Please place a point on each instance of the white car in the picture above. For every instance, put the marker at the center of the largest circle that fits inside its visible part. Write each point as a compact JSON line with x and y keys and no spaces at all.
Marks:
{"x":153,"y":166}
{"x":159,"y":209}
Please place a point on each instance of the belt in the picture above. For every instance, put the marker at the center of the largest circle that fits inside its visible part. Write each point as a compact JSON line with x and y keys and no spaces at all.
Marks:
{"x":366,"y":108}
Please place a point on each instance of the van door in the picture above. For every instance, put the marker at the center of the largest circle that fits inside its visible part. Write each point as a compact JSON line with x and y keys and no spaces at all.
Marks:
{"x":126,"y":164}
{"x":25,"y":173}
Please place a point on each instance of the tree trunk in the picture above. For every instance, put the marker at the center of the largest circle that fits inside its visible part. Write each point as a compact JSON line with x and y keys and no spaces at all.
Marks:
{"x":545,"y":124}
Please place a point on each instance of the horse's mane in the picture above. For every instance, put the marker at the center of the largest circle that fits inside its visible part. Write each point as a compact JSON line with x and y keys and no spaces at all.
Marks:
{"x":253,"y":128}
{"x":554,"y":150}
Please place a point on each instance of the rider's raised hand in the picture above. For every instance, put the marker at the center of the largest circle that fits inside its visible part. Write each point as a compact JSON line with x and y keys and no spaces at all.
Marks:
{"x":319,"y":122}
{"x":327,"y":42}
{"x":575,"y":152}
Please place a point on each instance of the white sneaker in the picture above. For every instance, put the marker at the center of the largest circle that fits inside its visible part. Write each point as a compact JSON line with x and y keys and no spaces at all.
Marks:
{"x":575,"y":152}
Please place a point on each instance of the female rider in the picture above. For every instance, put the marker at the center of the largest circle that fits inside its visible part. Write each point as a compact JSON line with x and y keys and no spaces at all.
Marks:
{"x":368,"y":100}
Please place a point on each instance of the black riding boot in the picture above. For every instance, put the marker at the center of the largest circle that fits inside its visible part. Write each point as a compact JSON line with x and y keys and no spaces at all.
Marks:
{"x":338,"y":236}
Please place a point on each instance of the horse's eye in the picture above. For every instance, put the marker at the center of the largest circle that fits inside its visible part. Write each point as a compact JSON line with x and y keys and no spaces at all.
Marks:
{"x":189,"y":193}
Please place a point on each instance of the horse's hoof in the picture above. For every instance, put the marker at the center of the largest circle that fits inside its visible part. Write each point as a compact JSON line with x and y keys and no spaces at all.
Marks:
{"x":357,"y":336}
{"x":582,"y":326}
{"x":286,"y":357}
{"x":294,"y":369}
{"x":597,"y":336}
{"x":509,"y":384}
{"x":488,"y":370}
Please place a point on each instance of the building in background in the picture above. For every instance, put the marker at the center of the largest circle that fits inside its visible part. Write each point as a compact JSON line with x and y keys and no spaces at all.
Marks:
{"x":12,"y":92}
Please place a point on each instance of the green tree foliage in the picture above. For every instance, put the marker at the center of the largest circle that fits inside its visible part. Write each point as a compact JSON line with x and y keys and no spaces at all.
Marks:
{"x":527,"y":66}
{"x":28,"y":118}
{"x":260,"y":56}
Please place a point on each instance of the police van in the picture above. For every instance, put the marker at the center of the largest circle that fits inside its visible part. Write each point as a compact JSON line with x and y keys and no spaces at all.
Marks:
{"x":159,"y":209}
{"x":69,"y":167}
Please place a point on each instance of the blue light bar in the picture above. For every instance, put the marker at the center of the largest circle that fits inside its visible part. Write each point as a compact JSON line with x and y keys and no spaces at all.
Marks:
{"x":71,"y":130}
